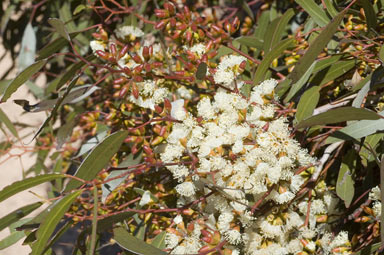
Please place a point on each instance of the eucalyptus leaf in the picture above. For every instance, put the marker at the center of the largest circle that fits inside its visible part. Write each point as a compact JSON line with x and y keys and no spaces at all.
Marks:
{"x":28,"y":48}
{"x":97,"y":159}
{"x":8,"y":123}
{"x":300,"y":83}
{"x":345,"y":184}
{"x":339,"y":115}
{"x":307,"y":103}
{"x":315,"y":11}
{"x":133,"y":244}
{"x":317,"y":46}
{"x":59,"y":27}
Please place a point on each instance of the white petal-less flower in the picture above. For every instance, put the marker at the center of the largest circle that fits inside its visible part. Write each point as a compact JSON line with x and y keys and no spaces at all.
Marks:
{"x":226,"y":71}
{"x":178,"y":112}
{"x":97,"y":45}
{"x":129,"y":31}
{"x":186,"y":189}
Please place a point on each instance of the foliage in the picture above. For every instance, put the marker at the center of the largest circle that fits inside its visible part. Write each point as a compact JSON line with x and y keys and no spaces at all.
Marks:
{"x":200,"y":127}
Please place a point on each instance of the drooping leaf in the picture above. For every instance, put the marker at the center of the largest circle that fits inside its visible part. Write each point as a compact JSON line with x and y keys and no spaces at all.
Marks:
{"x":8,"y":123}
{"x":133,"y":244}
{"x":250,"y":41}
{"x":330,"y":8}
{"x":316,"y":46}
{"x":94,"y":220}
{"x":91,"y":143}
{"x":53,"y":113}
{"x":11,"y":239}
{"x":315,"y":11}
{"x":307,"y":103}
{"x":339,"y":115}
{"x":247,"y":9}
{"x":98,"y":158}
{"x":54,"y":46}
{"x":345,"y":184}
{"x":357,"y":130}
{"x":326,"y":62}
{"x":19,"y":186}
{"x":18,"y":214}
{"x":201,"y":71}
{"x":79,"y":8}
{"x":361,"y":95}
{"x":59,"y":26}
{"x":52,"y":219}
{"x":266,"y":62}
{"x":159,"y":240}
{"x":370,"y":142}
{"x":109,"y":186}
{"x":21,"y":78}
{"x":107,"y":223}
{"x":370,"y":14}
{"x":28,"y":48}
{"x":300,"y":83}
{"x":6,"y":16}
{"x":381,"y":54}
{"x":332,"y":72}
{"x":276,"y":29}
{"x":65,"y":131}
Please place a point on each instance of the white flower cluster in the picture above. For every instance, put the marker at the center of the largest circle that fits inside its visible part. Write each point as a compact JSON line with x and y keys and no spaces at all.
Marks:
{"x":150,"y":94}
{"x":374,"y":195}
{"x":129,"y":32}
{"x":228,"y":70}
{"x":244,"y":151}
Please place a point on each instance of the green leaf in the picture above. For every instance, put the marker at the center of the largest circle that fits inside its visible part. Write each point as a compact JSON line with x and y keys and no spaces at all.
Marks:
{"x":250,"y":41}
{"x":345,"y":184}
{"x":316,"y":47}
{"x":79,"y":8}
{"x":332,"y":72}
{"x":21,"y":78}
{"x":107,"y":223}
{"x":13,"y":238}
{"x":307,"y":103}
{"x":369,"y":250}
{"x":52,"y":219}
{"x":266,"y":62}
{"x":4,"y":119}
{"x":159,"y":240}
{"x":370,"y":143}
{"x":98,"y":158}
{"x":109,"y":186}
{"x":28,"y":48}
{"x":94,"y":221}
{"x":326,"y":62}
{"x":133,"y":244}
{"x":300,"y":83}
{"x":54,"y":46}
{"x":381,"y":54}
{"x":59,"y":26}
{"x":330,"y":8}
{"x":276,"y":29}
{"x":19,"y":186}
{"x":339,"y":115}
{"x":65,"y":131}
{"x":247,"y":9}
{"x":6,"y":16}
{"x":91,"y":143}
{"x":370,"y":14}
{"x":201,"y":71}
{"x":315,"y":11}
{"x":357,"y":130}
{"x":18,"y":214}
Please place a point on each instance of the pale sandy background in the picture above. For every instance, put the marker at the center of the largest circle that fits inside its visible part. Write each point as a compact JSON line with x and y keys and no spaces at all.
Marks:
{"x":11,"y":170}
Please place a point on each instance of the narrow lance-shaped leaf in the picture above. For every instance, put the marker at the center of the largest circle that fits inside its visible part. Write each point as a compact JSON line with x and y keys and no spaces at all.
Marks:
{"x":54,"y":46}
{"x":330,"y":8}
{"x":315,"y":11}
{"x":345,"y":184}
{"x":21,"y":78}
{"x":316,"y":47}
{"x":7,"y":122}
{"x":159,"y":240}
{"x":97,"y":158}
{"x":19,"y":186}
{"x":266,"y":62}
{"x":201,"y":71}
{"x":60,"y":27}
{"x":18,"y":214}
{"x":307,"y":103}
{"x":276,"y":29}
{"x":52,"y":219}
{"x":250,"y":41}
{"x":370,"y":14}
{"x":28,"y":48}
{"x":339,"y":115}
{"x":300,"y":83}
{"x":357,"y":130}
{"x":133,"y":244}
